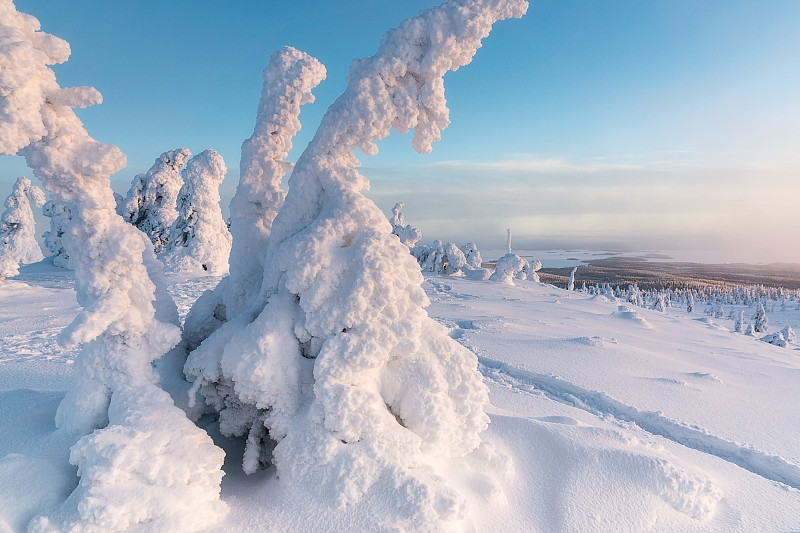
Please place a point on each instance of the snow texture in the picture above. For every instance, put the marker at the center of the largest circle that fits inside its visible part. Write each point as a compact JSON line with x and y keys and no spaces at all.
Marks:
{"x":60,"y":216}
{"x":17,"y":226}
{"x":199,"y":240}
{"x":127,"y":321}
{"x":151,"y":203}
{"x":338,"y":366}
{"x":289,"y":79}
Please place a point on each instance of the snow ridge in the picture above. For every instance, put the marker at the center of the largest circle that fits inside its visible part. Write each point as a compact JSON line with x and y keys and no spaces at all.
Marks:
{"x":772,"y":467}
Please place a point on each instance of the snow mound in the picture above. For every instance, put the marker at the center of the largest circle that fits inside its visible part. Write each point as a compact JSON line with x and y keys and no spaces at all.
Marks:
{"x":628,"y":313}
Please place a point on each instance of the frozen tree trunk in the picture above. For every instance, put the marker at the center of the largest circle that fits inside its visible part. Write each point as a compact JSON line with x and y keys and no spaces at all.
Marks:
{"x":60,"y":217}
{"x":288,"y":80}
{"x":151,"y":203}
{"x":199,"y":240}
{"x":337,"y":364}
{"x":17,"y":226}
{"x":134,"y":440}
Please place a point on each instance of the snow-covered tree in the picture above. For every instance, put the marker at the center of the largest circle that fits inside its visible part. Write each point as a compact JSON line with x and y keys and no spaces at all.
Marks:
{"x":738,"y":322}
{"x":473,"y":255}
{"x":288,"y":80}
{"x":659,"y":304}
{"x":571,"y":282}
{"x":338,"y":365}
{"x":408,"y":234}
{"x":690,"y":303}
{"x":17,"y":226}
{"x":509,"y":267}
{"x":60,"y":217}
{"x":139,"y":458}
{"x":151,"y":203}
{"x":760,"y":321}
{"x":199,"y":240}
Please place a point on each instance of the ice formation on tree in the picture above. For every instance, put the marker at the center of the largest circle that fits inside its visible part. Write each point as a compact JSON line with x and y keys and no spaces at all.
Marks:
{"x":288,"y":80}
{"x":408,"y":234}
{"x":17,"y":227}
{"x":151,"y":203}
{"x":138,"y":456}
{"x":199,"y":240}
{"x":60,"y":217}
{"x":338,"y":365}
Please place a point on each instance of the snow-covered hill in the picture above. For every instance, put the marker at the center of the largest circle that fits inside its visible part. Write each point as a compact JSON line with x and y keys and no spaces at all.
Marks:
{"x":604,"y":417}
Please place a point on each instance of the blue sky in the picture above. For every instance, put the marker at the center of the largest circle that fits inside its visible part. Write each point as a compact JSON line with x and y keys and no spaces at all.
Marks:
{"x":626,"y":123}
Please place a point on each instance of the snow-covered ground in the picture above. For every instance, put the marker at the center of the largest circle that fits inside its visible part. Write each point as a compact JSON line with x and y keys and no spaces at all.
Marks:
{"x":607,"y":417}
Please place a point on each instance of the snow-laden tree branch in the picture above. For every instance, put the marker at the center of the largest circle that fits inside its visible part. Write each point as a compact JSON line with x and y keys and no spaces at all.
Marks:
{"x":146,"y":444}
{"x":337,"y":364}
{"x":289,"y":79}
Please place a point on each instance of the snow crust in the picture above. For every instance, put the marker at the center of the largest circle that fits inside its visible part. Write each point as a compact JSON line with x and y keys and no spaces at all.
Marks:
{"x":17,"y":226}
{"x":128,"y":318}
{"x":199,"y":240}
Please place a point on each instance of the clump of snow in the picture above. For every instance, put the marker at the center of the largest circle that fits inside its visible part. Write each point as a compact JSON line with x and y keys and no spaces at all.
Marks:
{"x":338,"y":366}
{"x":151,"y":203}
{"x":60,"y":217}
{"x":511,"y":267}
{"x":408,"y":234}
{"x":127,"y":321}
{"x":199,"y":240}
{"x":17,"y":226}
{"x":289,"y":79}
{"x":8,"y":268}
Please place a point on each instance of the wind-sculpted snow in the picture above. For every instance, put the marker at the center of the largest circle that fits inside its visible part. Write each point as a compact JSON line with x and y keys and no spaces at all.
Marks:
{"x":199,"y":240}
{"x":766,"y":465}
{"x":289,"y":79}
{"x":128,"y":319}
{"x":355,"y":385}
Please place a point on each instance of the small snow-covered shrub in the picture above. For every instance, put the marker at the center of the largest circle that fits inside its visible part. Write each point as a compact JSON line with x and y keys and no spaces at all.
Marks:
{"x":151,"y":203}
{"x":760,"y":321}
{"x":511,"y":267}
{"x":17,"y":227}
{"x":8,"y":268}
{"x":199,"y":240}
